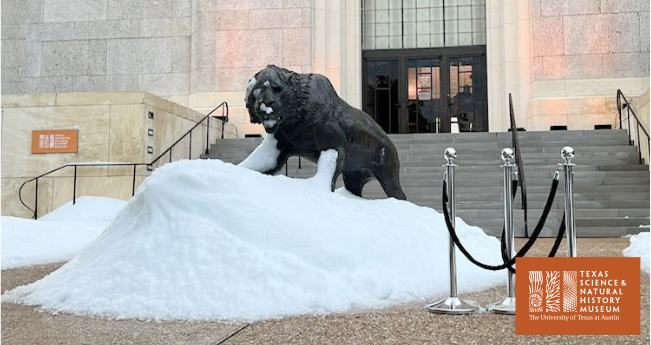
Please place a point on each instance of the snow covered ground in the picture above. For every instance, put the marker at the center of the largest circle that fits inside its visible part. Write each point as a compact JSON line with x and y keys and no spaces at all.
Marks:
{"x":205,"y":239}
{"x":640,"y":247}
{"x":57,"y":236}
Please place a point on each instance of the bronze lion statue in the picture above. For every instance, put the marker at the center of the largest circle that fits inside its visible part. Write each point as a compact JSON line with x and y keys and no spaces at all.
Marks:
{"x":303,"y":116}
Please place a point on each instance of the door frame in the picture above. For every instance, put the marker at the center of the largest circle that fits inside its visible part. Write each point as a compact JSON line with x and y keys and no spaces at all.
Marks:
{"x":402,"y":55}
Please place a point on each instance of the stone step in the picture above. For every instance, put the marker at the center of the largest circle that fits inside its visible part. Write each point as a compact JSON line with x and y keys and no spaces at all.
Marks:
{"x":230,"y":145}
{"x":527,"y":161}
{"x":436,"y":171}
{"x":594,"y":158}
{"x":579,"y":157}
{"x":431,"y":201}
{"x":553,"y":222}
{"x":557,"y":213}
{"x":293,"y":164}
{"x":521,"y":135}
{"x":581,"y":232}
{"x":495,"y":179}
{"x":492,"y":137}
{"x":594,"y":141}
{"x":501,"y":137}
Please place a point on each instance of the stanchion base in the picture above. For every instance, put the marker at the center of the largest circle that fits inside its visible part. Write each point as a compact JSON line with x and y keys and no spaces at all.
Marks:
{"x":452,"y":305}
{"x":505,"y":306}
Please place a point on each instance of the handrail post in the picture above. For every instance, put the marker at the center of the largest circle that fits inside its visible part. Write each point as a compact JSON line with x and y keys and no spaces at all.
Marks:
{"x":74,"y":187}
{"x":628,"y":120}
{"x":223,"y":122}
{"x":507,"y":305}
{"x":567,"y":153}
{"x":190,"y":145}
{"x":207,"y":133}
{"x":619,"y":107}
{"x":638,"y":143}
{"x":170,"y":155}
{"x":36,"y":200}
{"x":133,"y":182}
{"x":453,"y":304}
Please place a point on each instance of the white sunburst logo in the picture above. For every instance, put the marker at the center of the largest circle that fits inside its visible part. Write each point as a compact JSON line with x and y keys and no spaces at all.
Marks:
{"x":535,"y":291}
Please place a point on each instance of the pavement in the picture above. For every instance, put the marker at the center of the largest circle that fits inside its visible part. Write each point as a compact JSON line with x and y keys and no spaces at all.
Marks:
{"x":402,"y":324}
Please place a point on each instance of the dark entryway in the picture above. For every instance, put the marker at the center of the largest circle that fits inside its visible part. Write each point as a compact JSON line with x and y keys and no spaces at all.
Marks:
{"x":427,"y":90}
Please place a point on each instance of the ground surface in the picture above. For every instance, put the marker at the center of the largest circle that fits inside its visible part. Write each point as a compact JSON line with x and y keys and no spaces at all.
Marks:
{"x":405,"y":324}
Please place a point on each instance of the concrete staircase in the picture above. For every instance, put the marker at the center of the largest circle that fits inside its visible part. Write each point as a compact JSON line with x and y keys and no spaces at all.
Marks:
{"x":611,"y":187}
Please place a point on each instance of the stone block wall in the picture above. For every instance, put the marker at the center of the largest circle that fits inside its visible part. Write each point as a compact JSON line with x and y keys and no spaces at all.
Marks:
{"x":583,"y":51}
{"x":97,"y":45}
{"x":589,"y":39}
{"x":113,"y":127}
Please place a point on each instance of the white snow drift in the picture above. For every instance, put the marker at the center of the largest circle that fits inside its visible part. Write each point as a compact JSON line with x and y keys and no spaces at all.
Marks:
{"x":209,"y":240}
{"x":640,"y":247}
{"x":57,"y":236}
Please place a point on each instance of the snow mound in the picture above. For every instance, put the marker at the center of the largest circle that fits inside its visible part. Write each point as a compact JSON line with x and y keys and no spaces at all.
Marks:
{"x":87,"y":209}
{"x":57,"y":236}
{"x":640,"y":248}
{"x":207,"y":240}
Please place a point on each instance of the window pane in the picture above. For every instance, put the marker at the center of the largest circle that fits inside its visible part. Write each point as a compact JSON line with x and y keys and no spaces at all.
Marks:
{"x":465,"y":39}
{"x":399,"y":24}
{"x":436,"y":40}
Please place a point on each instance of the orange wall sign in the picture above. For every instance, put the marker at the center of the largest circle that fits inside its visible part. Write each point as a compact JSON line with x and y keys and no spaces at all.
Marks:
{"x":55,"y":141}
{"x":577,"y":296}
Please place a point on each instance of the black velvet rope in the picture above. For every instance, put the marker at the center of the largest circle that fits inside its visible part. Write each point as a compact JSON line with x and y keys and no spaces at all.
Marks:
{"x":534,"y":236}
{"x":559,"y":238}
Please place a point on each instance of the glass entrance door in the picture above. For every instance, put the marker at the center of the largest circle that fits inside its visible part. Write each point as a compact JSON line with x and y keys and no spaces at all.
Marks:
{"x":467,"y":104}
{"x":424,"y":102}
{"x":382,"y":96}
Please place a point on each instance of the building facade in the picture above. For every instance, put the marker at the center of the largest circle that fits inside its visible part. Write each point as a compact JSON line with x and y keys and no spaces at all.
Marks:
{"x":415,"y":65}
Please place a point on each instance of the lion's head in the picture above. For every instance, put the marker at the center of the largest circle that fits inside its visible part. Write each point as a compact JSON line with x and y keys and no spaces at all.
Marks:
{"x":269,"y":95}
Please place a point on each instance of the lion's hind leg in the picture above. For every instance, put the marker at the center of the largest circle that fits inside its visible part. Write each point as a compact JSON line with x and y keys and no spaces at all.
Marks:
{"x":354,"y":181}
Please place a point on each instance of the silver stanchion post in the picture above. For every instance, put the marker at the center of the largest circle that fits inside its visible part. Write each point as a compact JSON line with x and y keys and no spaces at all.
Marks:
{"x":453,"y":304}
{"x":507,"y":305}
{"x":567,"y":153}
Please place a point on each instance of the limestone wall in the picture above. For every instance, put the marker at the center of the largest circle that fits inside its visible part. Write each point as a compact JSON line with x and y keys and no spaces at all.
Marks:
{"x":113,"y":127}
{"x":583,"y":51}
{"x":79,"y":45}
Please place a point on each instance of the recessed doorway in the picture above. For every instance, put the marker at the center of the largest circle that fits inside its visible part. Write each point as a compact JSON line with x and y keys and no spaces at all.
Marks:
{"x":427,"y":90}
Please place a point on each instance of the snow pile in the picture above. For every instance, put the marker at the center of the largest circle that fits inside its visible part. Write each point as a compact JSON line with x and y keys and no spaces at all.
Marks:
{"x":205,"y":239}
{"x":86,"y":210}
{"x":640,"y":248}
{"x":57,"y":236}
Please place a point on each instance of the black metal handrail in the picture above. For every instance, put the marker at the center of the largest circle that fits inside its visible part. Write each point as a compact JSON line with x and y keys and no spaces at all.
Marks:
{"x":518,"y":158}
{"x":629,"y":111}
{"x":223,"y":117}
